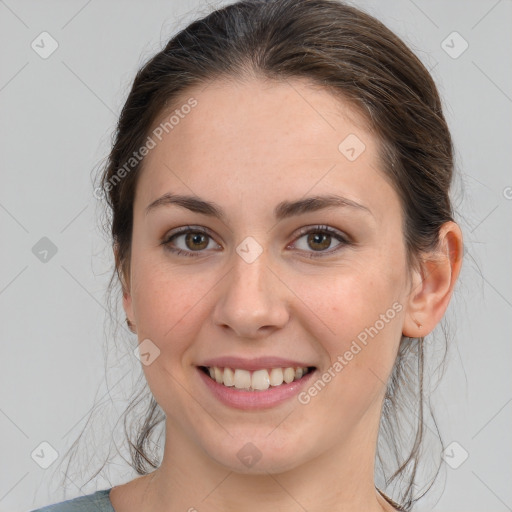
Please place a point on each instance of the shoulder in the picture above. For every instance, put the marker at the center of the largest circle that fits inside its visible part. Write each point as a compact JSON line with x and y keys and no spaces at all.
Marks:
{"x":96,"y":502}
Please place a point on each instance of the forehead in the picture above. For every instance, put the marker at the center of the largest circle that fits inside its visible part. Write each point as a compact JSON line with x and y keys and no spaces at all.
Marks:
{"x":269,"y":113}
{"x":291,"y":134}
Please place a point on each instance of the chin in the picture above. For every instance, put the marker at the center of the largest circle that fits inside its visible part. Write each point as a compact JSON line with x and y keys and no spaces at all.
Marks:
{"x":258,"y":457}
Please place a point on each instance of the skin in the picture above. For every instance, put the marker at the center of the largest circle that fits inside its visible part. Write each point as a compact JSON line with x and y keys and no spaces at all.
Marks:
{"x":247,"y":146}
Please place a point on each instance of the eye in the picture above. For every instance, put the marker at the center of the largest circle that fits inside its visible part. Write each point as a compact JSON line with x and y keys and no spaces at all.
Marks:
{"x":319,"y":238}
{"x":193,"y":241}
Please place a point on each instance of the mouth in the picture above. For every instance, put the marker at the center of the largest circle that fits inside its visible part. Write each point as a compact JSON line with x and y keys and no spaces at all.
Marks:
{"x":258,"y":380}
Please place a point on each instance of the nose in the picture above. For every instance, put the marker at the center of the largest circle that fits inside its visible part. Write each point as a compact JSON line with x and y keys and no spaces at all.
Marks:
{"x":252,"y":299}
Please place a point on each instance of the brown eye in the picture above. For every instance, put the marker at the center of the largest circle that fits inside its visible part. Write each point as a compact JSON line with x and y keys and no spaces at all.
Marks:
{"x":189,"y":242}
{"x":316,"y":241}
{"x":196,"y":241}
{"x":319,"y":241}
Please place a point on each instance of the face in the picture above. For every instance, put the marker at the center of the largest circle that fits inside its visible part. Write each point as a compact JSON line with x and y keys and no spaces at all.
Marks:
{"x":251,"y":276}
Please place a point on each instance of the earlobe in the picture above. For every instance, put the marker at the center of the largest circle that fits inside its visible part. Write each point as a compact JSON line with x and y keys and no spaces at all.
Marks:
{"x":128,"y":309}
{"x":127,"y":298}
{"x":432,"y":288}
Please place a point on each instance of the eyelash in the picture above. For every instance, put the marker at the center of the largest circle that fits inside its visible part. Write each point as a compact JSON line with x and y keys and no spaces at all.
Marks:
{"x":304,"y":231}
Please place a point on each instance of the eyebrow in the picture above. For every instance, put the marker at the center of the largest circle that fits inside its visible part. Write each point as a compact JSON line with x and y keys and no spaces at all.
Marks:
{"x":283,"y":210}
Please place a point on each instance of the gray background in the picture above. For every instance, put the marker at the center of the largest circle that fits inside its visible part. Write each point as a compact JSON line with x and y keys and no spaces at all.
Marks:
{"x":57,"y":117}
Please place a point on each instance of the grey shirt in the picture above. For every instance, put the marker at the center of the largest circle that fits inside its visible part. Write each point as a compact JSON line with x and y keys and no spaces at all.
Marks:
{"x":100,"y":502}
{"x":96,"y":502}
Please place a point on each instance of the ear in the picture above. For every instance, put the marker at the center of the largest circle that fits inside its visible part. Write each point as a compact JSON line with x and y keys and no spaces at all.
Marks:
{"x":125,"y":284}
{"x":433,"y":285}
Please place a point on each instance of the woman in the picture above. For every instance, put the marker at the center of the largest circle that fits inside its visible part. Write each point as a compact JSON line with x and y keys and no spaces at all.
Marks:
{"x":284,"y":237}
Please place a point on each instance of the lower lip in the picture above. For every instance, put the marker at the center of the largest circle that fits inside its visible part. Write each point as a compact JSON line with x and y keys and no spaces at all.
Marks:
{"x":255,"y":399}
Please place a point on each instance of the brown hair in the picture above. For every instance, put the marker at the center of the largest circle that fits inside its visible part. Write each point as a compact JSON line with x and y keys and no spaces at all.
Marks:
{"x":356,"y":58}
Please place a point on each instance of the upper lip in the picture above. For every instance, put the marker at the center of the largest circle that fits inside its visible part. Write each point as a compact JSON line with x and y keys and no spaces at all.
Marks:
{"x":258,"y":363}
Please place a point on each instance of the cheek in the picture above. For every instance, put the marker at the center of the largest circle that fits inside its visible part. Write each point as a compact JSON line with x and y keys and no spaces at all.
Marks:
{"x":346,"y":300}
{"x":167,"y":306}
{"x":356,"y":319}
{"x":167,"y":302}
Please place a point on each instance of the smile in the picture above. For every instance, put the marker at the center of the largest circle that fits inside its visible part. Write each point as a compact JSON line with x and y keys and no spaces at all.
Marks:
{"x":258,"y":380}
{"x":254,"y":389}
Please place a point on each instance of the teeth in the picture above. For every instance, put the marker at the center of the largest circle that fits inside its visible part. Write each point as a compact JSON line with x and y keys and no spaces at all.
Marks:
{"x":289,"y":375}
{"x":229,"y":377}
{"x":276,"y":377}
{"x":259,"y":380}
{"x":242,"y":379}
